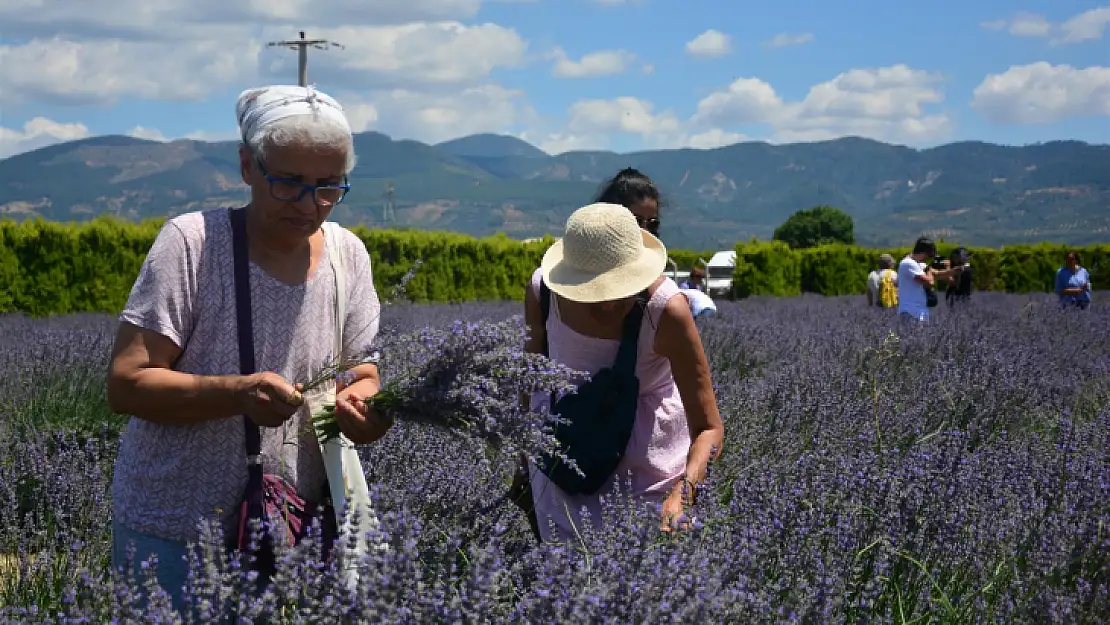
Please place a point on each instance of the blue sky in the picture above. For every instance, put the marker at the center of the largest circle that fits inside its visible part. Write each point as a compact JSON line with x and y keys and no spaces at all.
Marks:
{"x":570,"y":74}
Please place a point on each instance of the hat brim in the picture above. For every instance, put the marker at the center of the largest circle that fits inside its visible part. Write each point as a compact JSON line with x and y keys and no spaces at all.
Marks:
{"x":588,"y":287}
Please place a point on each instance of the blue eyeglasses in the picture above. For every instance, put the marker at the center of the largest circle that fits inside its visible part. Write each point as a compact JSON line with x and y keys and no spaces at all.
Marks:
{"x":292,"y":190}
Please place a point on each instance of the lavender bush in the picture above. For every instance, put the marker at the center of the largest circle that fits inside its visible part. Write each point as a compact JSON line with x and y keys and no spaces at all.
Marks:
{"x":871,"y":473}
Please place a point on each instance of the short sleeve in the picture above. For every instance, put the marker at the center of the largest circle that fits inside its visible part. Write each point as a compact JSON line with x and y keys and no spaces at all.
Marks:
{"x":916,"y":269}
{"x":360,"y":328}
{"x":162,"y":298}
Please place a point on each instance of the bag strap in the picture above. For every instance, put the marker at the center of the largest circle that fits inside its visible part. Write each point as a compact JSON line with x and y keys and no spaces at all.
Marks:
{"x":545,"y":310}
{"x":335,"y":255}
{"x":245,"y":330}
{"x":630,"y":334}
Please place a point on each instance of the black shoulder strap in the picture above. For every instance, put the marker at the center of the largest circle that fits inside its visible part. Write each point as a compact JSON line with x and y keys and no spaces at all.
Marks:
{"x":630,"y":334}
{"x":244,"y":325}
{"x":545,"y":310}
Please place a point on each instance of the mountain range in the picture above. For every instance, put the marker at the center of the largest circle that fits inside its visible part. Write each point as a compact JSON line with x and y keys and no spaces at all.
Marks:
{"x":969,"y":192}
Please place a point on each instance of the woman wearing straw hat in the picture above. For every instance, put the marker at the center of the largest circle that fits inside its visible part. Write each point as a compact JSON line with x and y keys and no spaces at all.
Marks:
{"x":604,"y":271}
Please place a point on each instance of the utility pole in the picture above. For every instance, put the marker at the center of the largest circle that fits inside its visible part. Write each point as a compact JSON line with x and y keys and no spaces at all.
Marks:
{"x":301,"y":46}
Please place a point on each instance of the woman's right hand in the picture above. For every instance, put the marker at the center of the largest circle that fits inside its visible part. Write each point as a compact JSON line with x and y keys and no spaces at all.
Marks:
{"x":268,"y":399}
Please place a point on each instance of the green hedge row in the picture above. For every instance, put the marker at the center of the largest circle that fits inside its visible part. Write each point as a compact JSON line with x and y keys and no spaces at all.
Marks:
{"x":772,"y":268}
{"x":55,"y":268}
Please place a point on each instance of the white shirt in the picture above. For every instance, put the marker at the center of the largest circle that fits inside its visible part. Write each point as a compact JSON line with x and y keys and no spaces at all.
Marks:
{"x":873,"y":282}
{"x":911,"y":293}
{"x":700,"y":302}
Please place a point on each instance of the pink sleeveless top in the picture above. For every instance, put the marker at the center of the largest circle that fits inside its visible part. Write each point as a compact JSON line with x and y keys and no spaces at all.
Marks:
{"x":655,"y":458}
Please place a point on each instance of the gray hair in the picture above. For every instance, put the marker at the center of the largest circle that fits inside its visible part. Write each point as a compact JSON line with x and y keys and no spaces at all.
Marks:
{"x":306,"y":131}
{"x":886,"y":261}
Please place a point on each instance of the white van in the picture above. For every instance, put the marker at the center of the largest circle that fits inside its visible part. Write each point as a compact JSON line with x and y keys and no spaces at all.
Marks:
{"x":718,"y":274}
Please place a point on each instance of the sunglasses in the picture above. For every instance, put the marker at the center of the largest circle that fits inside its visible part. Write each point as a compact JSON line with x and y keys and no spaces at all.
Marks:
{"x":651,"y":224}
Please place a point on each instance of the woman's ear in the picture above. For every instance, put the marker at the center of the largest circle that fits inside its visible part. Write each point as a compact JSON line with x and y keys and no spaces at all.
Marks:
{"x":246,"y":164}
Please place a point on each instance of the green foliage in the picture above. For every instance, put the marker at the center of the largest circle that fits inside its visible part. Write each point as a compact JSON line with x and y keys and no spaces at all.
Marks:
{"x":764,"y":268}
{"x":767,"y":268}
{"x":815,"y":226}
{"x":686,"y":259}
{"x":53,"y":268}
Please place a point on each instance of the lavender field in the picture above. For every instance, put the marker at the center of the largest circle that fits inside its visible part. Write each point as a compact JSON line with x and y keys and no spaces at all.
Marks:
{"x":958,"y":474}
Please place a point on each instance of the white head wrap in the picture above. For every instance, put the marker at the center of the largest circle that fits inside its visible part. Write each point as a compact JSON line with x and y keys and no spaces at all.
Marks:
{"x":259,"y":108}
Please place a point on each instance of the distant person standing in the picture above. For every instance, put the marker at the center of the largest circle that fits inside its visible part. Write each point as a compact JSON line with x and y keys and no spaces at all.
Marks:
{"x":959,"y":287}
{"x":882,"y":284}
{"x":1073,"y":283}
{"x":917,"y":281}
{"x":696,"y":281}
{"x":701,"y":305}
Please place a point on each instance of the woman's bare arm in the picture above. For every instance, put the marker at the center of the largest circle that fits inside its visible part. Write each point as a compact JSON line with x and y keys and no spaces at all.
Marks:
{"x":142,"y":382}
{"x":677,"y":340}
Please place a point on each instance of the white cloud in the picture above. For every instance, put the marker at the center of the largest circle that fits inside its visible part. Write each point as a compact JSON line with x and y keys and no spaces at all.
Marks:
{"x":625,"y":115}
{"x":98,"y":73}
{"x":559,"y":143}
{"x":432,"y":117}
{"x":231,"y":134}
{"x":782,"y":40}
{"x":709,"y":44}
{"x":887,"y":104}
{"x":420,"y":53}
{"x":600,"y":63}
{"x":1086,"y":26}
{"x":38,"y":133}
{"x":151,"y":134}
{"x":1040,"y":93}
{"x":713,"y":138}
{"x":148,"y":19}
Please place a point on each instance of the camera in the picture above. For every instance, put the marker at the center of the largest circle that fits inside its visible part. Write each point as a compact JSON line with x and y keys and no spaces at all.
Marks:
{"x":938,"y":263}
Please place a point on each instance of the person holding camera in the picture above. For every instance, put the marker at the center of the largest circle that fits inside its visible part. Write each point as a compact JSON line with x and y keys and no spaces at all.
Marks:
{"x":959,"y":286}
{"x":917,"y":280}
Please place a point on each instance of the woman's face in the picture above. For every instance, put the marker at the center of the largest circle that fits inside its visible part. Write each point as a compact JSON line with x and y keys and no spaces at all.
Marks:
{"x":1071,"y":262}
{"x":280,"y":212}
{"x":647,"y":214}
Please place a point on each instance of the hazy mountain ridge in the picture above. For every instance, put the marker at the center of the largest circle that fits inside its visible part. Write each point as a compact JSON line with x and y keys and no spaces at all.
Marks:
{"x":973,"y":192}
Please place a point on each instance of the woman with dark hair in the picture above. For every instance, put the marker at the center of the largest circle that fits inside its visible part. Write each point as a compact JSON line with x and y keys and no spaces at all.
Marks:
{"x":1073,"y":283}
{"x":635,"y":191}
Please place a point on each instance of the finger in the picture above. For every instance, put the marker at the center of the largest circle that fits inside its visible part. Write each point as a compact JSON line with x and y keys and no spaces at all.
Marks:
{"x":284,"y":393}
{"x":348,"y":417}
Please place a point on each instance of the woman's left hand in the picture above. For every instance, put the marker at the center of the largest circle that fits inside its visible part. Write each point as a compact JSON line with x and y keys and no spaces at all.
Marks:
{"x":359,"y":422}
{"x":674,"y":513}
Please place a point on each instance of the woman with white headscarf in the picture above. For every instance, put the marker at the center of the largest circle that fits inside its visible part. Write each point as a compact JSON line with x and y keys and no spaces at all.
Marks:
{"x":176,"y":367}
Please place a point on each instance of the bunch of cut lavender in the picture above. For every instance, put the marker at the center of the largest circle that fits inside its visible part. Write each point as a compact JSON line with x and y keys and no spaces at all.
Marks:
{"x":471,"y":378}
{"x":339,"y":368}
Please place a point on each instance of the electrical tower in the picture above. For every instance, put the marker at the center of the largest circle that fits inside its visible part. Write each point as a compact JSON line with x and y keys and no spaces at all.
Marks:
{"x":388,"y":214}
{"x":301,"y":46}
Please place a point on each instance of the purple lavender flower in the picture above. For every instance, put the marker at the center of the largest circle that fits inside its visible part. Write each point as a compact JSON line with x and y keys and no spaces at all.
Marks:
{"x":954,"y":475}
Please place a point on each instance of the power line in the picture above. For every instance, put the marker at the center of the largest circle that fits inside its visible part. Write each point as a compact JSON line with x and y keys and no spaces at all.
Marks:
{"x":301,"y":46}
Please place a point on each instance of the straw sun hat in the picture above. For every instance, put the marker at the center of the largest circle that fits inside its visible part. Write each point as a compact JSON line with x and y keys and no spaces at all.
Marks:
{"x":603,"y":256}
